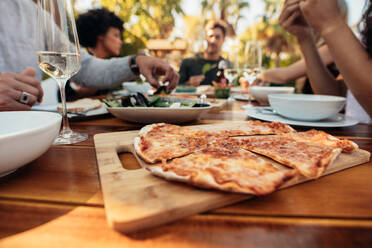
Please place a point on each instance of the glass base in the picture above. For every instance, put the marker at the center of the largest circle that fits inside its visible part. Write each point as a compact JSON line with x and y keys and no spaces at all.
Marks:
{"x":66,"y":137}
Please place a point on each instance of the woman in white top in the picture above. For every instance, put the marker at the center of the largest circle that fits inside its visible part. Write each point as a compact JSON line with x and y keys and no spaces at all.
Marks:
{"x":352,"y":58}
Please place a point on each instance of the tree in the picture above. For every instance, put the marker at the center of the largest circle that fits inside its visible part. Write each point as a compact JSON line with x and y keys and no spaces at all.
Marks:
{"x":145,"y":19}
{"x":194,"y":32}
{"x":226,"y":10}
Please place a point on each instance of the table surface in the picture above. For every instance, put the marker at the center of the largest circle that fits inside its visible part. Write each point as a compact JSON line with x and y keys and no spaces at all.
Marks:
{"x":56,"y":201}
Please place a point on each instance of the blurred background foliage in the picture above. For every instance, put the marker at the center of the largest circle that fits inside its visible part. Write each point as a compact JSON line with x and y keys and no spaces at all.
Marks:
{"x":155,"y":19}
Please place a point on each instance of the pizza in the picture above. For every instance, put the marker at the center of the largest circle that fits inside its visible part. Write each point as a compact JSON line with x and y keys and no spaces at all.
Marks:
{"x":221,"y":158}
{"x":320,"y":137}
{"x":161,"y":141}
{"x":248,"y":128}
{"x":223,"y":165}
{"x":309,"y":159}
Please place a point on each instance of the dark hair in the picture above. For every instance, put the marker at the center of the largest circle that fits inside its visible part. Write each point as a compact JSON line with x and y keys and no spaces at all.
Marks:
{"x":216,"y":24}
{"x":94,"y":23}
{"x":366,"y":30}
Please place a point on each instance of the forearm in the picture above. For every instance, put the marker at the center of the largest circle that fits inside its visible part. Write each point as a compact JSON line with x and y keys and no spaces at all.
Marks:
{"x":295,"y":70}
{"x":277,"y":75}
{"x":321,"y":80}
{"x":103,"y":73}
{"x":353,"y":62}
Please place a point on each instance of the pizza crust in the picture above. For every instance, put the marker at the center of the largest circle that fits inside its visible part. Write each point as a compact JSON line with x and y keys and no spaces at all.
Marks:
{"x":142,"y":132}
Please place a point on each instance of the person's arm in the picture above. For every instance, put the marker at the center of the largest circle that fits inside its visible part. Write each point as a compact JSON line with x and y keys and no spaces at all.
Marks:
{"x":108,"y":73}
{"x":351,"y":58}
{"x":295,"y":70}
{"x":322,"y":81}
{"x":103,"y":73}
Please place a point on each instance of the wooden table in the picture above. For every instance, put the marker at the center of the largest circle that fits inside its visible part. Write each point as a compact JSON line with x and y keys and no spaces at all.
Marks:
{"x":56,"y":201}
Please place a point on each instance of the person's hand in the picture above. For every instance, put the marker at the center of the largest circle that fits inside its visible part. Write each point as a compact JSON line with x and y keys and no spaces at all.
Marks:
{"x":321,"y":15}
{"x":13,"y":86}
{"x":195,"y":80}
{"x":151,"y":67}
{"x":292,"y":20}
{"x":260,"y":82}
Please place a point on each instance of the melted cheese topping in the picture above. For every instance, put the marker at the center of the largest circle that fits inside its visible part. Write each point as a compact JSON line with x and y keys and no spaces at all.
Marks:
{"x":234,"y":170}
{"x":310,"y":159}
{"x":320,"y":137}
{"x":166,"y":141}
{"x":255,"y":128}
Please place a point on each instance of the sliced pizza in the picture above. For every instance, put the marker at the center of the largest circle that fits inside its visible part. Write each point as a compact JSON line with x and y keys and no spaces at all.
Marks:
{"x":323,"y":138}
{"x":248,"y":128}
{"x":310,"y":159}
{"x":161,"y":141}
{"x":223,"y":165}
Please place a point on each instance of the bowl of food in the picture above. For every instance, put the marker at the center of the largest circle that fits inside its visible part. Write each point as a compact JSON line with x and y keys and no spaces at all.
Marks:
{"x":305,"y":107}
{"x":134,"y":87}
{"x":24,"y":136}
{"x":260,"y":93}
{"x":141,"y":109}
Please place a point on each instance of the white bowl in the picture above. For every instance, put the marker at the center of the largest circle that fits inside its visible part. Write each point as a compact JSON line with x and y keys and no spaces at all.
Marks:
{"x":260,"y":93}
{"x":306,"y":107}
{"x":24,"y":136}
{"x":134,"y":87}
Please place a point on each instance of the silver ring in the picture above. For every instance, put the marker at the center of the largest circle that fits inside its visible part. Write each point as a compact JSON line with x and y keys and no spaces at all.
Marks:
{"x":24,"y":97}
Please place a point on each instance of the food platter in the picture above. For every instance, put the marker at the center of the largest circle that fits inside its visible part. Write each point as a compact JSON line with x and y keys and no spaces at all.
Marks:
{"x":173,"y":114}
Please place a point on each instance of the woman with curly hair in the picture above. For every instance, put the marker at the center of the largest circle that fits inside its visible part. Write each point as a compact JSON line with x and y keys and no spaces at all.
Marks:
{"x":100,"y":32}
{"x":352,"y":57}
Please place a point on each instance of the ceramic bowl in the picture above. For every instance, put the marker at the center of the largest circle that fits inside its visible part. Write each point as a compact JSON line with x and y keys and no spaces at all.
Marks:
{"x":306,"y":107}
{"x":260,"y":93}
{"x":134,"y":87}
{"x":24,"y":136}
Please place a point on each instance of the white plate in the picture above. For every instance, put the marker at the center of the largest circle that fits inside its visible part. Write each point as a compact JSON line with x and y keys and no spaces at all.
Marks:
{"x":338,"y":120}
{"x":148,"y":115}
{"x":240,"y":97}
{"x":53,"y":108}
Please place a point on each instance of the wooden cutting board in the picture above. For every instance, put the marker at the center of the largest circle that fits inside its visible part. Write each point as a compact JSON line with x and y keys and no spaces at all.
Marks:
{"x":135,"y":199}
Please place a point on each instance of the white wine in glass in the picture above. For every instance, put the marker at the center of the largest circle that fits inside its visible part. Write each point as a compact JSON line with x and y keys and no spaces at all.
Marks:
{"x":231,"y":74}
{"x":253,"y":62}
{"x":59,"y":54}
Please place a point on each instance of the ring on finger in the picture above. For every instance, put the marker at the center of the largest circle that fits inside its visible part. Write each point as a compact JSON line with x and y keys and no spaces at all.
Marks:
{"x":24,"y":97}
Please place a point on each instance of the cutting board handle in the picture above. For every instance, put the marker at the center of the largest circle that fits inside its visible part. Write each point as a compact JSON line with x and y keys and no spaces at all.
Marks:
{"x":127,"y":146}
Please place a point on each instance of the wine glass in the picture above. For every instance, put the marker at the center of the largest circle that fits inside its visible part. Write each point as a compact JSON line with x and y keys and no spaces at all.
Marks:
{"x":231,"y":74}
{"x":252,"y":63}
{"x":59,"y":54}
{"x":232,"y":70}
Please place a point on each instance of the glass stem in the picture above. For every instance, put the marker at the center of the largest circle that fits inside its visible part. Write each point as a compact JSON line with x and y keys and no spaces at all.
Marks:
{"x":65,"y":125}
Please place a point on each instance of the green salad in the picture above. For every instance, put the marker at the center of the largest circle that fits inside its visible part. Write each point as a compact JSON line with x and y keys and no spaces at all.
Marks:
{"x":139,"y":100}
